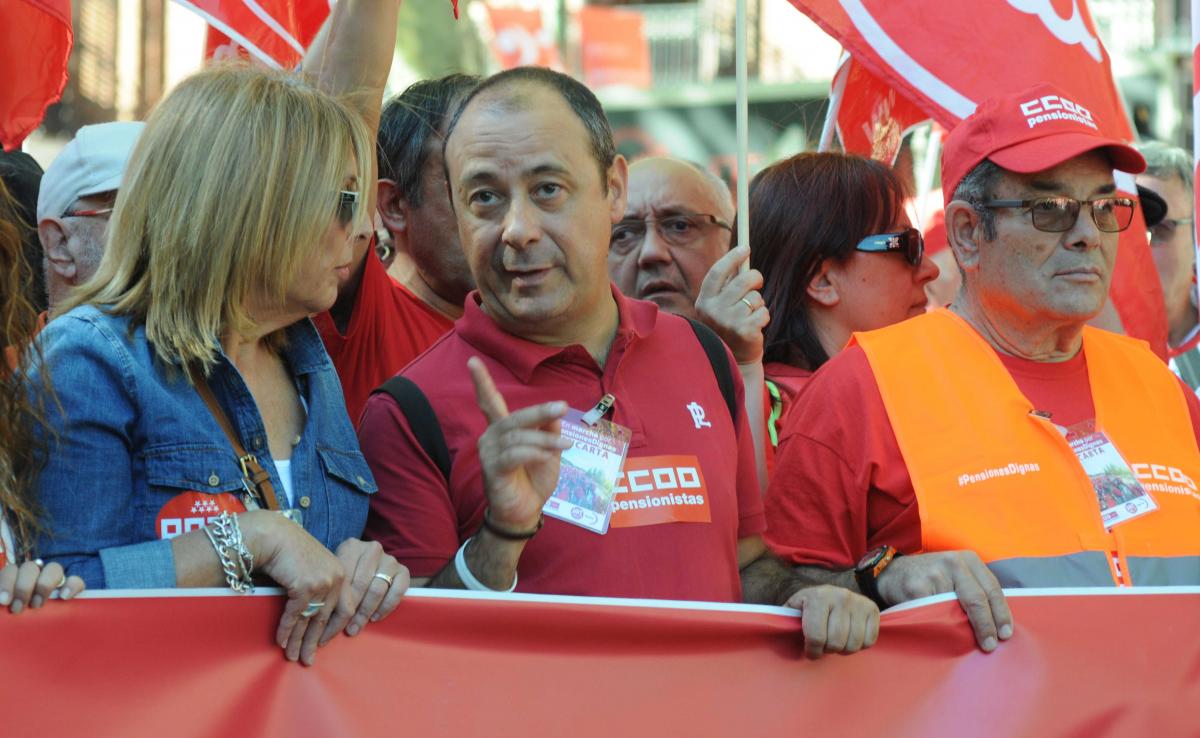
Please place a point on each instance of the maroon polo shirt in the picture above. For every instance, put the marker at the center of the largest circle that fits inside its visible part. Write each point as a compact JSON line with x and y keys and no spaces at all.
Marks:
{"x":688,"y":493}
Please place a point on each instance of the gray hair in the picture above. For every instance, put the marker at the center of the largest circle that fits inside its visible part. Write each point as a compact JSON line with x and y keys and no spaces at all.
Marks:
{"x":719,"y":187}
{"x":1165,"y":162}
{"x":976,"y":188}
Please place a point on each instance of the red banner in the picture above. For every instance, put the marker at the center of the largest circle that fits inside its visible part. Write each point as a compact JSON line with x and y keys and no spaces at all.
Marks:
{"x":35,"y":41}
{"x":931,"y":52}
{"x":122,"y":664}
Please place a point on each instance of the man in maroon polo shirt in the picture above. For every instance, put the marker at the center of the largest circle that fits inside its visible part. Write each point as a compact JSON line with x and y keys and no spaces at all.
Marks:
{"x":537,"y":186}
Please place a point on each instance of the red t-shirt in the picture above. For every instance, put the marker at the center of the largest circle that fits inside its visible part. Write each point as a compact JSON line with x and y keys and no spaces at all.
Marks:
{"x":389,"y":327}
{"x":683,"y":435}
{"x":841,"y":487}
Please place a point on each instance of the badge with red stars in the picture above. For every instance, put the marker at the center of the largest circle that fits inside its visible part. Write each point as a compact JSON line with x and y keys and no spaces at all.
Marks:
{"x":192,"y":510}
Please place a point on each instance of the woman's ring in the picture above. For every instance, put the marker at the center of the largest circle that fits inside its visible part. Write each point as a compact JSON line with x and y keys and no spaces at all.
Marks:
{"x":384,"y":577}
{"x":747,"y":302}
{"x":312,"y":609}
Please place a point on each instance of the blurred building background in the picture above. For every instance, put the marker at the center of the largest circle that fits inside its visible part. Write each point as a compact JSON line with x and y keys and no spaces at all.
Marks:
{"x":664,"y":70}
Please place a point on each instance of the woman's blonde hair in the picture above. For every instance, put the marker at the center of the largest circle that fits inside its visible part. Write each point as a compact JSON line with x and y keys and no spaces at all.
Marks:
{"x":228,"y":192}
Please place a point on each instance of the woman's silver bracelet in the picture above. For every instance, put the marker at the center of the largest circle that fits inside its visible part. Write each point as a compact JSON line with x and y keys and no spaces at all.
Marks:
{"x":236,"y":561}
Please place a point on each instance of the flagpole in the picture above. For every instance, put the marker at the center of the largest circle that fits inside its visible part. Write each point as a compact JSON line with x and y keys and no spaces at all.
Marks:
{"x":742,"y":119}
{"x":835,"y":101}
{"x":933,"y":154}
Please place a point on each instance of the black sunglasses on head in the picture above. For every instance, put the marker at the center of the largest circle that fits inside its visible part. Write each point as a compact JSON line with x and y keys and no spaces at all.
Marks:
{"x":908,"y":242}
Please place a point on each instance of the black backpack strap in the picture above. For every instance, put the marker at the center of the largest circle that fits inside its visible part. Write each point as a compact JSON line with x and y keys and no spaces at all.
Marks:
{"x":718,"y":356}
{"x":421,"y":419}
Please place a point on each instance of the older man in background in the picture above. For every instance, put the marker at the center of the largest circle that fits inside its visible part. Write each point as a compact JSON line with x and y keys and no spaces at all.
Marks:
{"x":1172,"y":241}
{"x":75,"y":199}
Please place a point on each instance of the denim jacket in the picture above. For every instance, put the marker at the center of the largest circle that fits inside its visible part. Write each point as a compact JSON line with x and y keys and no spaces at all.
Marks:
{"x":132,"y":440}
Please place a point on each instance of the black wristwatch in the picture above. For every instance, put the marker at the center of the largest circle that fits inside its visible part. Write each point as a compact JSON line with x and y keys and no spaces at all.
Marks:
{"x":866,"y":574}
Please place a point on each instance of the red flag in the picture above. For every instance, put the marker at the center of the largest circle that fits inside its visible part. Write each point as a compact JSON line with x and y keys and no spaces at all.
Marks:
{"x":275,"y":32}
{"x":126,"y":664}
{"x":35,"y":41}
{"x":613,"y":47}
{"x":872,"y":117}
{"x":931,"y":52}
{"x":520,"y":39}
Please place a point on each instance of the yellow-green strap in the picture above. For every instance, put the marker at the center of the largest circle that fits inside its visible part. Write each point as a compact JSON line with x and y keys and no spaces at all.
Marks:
{"x":776,"y":412}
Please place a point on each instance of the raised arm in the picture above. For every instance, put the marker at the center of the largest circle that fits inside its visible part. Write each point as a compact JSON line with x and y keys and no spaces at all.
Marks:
{"x":350,"y":58}
{"x":730,"y":304}
{"x":352,"y":55}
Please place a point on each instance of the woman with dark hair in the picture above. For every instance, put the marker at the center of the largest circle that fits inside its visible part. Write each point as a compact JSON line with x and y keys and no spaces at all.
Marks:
{"x":838,"y":255}
{"x":29,"y":583}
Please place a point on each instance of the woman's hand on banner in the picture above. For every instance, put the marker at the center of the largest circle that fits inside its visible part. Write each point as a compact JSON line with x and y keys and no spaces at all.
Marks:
{"x":374,"y":584}
{"x":30,"y":585}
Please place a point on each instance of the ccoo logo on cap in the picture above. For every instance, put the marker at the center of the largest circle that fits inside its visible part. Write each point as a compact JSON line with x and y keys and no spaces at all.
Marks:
{"x":1027,"y":132}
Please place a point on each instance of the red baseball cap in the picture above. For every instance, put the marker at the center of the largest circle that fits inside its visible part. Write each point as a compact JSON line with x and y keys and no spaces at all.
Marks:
{"x":1028,"y":132}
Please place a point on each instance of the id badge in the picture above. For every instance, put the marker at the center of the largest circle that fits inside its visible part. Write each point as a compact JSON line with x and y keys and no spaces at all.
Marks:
{"x":587,"y":477}
{"x":1119,"y":495}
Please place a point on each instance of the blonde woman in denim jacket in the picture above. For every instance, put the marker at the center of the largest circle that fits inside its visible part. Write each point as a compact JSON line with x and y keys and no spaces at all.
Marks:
{"x":233,"y":225}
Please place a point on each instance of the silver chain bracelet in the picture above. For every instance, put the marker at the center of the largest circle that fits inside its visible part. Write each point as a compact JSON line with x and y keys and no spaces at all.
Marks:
{"x":225,"y":535}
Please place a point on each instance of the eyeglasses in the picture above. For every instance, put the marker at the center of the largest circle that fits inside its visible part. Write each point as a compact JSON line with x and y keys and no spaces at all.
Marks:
{"x":908,"y":242}
{"x":95,"y":213}
{"x":1059,"y":214}
{"x":347,"y":206}
{"x":1164,"y":230}
{"x":676,"y":230}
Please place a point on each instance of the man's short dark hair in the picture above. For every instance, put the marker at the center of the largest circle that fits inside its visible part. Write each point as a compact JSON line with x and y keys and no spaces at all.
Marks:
{"x":574,"y":93}
{"x":406,"y":124}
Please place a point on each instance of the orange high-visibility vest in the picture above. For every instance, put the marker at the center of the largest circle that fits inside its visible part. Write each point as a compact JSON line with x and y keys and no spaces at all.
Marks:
{"x":991,"y":477}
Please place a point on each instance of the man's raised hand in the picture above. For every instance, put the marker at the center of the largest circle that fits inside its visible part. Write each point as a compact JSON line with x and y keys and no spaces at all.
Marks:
{"x":519,"y":453}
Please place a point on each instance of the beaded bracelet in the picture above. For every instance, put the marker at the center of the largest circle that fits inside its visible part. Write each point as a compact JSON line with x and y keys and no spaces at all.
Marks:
{"x":225,"y":535}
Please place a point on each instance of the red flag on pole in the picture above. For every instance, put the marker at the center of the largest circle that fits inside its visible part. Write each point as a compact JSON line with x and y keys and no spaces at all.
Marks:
{"x":872,"y":117}
{"x":930,"y":52}
{"x":35,"y":41}
{"x":275,"y":32}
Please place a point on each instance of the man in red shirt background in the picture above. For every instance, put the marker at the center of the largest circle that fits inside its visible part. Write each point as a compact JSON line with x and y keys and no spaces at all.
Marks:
{"x":379,"y":324}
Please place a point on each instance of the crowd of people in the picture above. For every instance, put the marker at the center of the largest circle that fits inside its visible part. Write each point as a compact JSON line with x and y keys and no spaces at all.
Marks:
{"x":227,"y":386}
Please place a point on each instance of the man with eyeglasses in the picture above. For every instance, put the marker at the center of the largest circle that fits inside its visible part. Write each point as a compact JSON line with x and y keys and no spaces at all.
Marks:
{"x":677,"y":223}
{"x":1169,"y":174}
{"x":970,"y":448}
{"x":671,"y":247}
{"x":75,"y":200}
